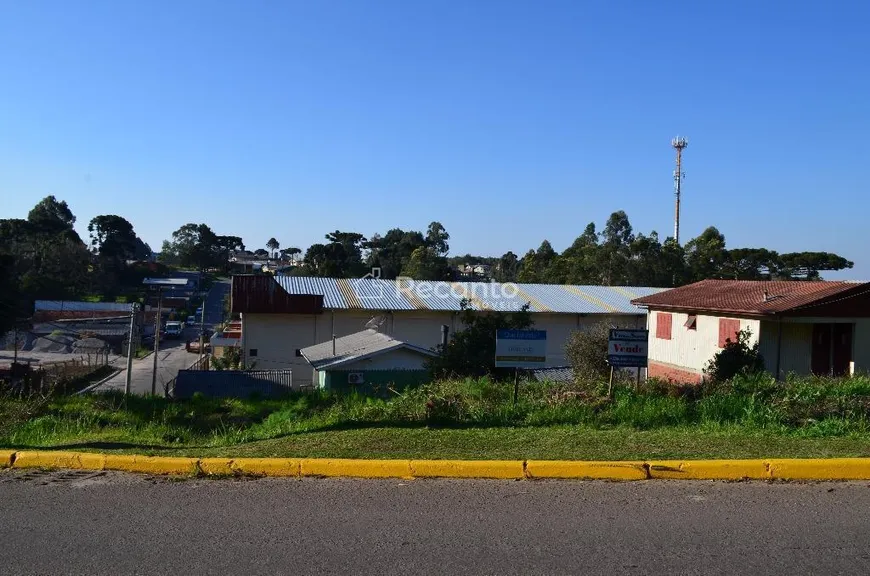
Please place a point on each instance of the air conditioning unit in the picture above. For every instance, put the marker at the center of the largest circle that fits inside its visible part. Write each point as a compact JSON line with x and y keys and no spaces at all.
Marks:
{"x":355,"y":378}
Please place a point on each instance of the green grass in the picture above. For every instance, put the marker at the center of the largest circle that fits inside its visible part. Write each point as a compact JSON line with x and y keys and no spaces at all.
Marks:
{"x":470,"y":419}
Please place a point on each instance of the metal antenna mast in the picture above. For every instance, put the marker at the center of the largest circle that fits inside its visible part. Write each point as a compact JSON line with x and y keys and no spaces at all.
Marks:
{"x":678,"y":144}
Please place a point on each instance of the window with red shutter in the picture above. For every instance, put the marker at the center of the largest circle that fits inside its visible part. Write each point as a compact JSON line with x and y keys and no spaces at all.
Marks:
{"x":728,"y":329}
{"x":663,"y":325}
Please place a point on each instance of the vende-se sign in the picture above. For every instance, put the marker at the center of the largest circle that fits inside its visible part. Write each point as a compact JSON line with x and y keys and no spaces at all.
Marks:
{"x":628,"y":348}
{"x":520,"y":348}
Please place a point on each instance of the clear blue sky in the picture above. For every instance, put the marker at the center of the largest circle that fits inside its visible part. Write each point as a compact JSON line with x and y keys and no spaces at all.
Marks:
{"x":507,"y":121}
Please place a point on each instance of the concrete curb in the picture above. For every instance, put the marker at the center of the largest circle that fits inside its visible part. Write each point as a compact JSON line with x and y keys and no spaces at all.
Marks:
{"x":767,"y":469}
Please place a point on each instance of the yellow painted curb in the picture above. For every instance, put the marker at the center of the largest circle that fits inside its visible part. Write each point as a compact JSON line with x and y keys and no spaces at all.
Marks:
{"x":152,"y":464}
{"x":48,"y":459}
{"x":785,"y":469}
{"x":569,"y":469}
{"x":819,"y":469}
{"x":355,"y":468}
{"x":216,"y":466}
{"x":267,"y":466}
{"x":6,"y":459}
{"x":709,"y":469}
{"x":508,"y":469}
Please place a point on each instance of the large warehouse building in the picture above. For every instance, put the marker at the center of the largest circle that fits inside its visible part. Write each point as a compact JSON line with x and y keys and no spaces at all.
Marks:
{"x":282,"y":315}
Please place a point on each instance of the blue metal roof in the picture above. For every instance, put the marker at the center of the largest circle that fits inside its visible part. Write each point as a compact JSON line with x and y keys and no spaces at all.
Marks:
{"x":377,"y":294}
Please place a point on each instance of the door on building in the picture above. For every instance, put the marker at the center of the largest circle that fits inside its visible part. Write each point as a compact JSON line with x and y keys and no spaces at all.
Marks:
{"x":842,"y":349}
{"x":821,"y":351}
{"x":832,"y":349}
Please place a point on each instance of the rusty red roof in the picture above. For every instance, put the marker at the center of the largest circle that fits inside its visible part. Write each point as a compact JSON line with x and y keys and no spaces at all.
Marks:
{"x":752,"y":297}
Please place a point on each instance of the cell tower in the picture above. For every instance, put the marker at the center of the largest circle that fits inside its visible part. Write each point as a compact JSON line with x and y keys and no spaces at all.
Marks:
{"x":678,"y":144}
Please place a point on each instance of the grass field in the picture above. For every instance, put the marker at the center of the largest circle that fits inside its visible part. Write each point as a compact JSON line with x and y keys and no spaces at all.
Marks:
{"x":470,"y":419}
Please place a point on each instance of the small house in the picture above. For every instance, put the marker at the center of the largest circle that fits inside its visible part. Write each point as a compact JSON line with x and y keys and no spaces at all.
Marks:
{"x":366,"y":359}
{"x":801,"y":327}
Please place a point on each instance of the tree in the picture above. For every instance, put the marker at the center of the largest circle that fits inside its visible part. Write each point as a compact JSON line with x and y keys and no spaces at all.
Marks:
{"x":706,"y":255}
{"x":273,"y":246}
{"x":48,"y":258}
{"x":528,"y":273}
{"x":51,"y":214}
{"x":471,"y":351}
{"x":436,"y":239}
{"x":197,"y":246}
{"x":582,"y":257}
{"x":615,"y":249}
{"x":289,"y":253}
{"x":807,"y":265}
{"x":426,"y":264}
{"x":261,"y":253}
{"x":507,"y":268}
{"x":392,"y":251}
{"x":112,"y":238}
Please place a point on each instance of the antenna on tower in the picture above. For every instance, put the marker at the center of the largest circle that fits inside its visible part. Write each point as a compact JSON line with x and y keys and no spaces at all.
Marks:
{"x":678,"y":144}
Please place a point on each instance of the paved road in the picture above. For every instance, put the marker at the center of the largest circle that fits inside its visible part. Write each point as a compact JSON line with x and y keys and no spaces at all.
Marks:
{"x":172,"y":356}
{"x":116,"y":524}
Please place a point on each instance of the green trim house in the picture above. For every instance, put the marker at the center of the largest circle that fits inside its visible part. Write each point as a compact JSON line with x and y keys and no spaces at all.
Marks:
{"x":367,"y":361}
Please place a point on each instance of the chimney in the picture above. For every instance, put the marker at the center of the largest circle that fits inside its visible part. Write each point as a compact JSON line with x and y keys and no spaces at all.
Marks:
{"x":766,"y":297}
{"x":444,"y":332}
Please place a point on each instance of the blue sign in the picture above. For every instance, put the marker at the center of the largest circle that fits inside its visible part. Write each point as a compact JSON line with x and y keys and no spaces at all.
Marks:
{"x":520,"y":348}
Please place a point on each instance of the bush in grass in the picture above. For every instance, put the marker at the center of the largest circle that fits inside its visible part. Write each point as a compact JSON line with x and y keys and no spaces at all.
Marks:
{"x":587,"y":352}
{"x":737,"y":358}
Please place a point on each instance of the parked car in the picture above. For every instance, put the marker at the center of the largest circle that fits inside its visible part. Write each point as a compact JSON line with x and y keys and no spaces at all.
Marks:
{"x":173,"y":329}
{"x":191,"y":320}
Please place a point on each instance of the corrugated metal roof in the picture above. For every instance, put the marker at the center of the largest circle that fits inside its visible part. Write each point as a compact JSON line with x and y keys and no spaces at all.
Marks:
{"x":354,"y":347}
{"x":376,"y":294}
{"x":749,"y":296}
{"x":67,"y":306}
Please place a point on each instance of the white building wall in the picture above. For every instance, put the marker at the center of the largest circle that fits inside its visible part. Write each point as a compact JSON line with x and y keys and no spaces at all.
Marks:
{"x":795,"y":350}
{"x":691,"y":349}
{"x":276,"y":337}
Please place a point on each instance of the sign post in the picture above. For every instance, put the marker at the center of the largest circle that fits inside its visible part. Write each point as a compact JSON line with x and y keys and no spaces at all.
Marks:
{"x":520,"y":349}
{"x":627,"y":348}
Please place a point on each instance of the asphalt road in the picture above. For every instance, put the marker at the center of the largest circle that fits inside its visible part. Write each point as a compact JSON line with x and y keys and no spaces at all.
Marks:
{"x":172,"y":356}
{"x":120,"y":524}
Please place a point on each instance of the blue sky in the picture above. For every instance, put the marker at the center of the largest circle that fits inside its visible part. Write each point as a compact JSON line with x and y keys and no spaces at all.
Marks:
{"x":507,"y":121}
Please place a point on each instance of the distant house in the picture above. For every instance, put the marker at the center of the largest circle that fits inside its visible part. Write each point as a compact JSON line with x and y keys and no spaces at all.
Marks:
{"x":365,"y":359}
{"x":801,"y":327}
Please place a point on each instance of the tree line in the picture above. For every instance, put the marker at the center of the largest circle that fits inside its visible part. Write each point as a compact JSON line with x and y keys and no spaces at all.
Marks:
{"x":43,"y":257}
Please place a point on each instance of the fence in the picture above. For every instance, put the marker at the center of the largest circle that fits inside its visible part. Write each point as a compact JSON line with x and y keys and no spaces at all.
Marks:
{"x":232,"y":383}
{"x":200,"y":365}
{"x":50,"y":379}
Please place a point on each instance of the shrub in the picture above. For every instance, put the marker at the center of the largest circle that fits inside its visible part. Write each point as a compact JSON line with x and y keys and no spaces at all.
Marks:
{"x":587,"y":352}
{"x":735,"y":359}
{"x":471,"y":352}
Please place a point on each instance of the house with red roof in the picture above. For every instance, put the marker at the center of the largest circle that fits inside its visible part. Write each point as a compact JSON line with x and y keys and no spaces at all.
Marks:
{"x":802,"y":327}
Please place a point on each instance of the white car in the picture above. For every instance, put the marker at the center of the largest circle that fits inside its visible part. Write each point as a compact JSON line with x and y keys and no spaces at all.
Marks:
{"x":191,"y":320}
{"x":174,"y":329}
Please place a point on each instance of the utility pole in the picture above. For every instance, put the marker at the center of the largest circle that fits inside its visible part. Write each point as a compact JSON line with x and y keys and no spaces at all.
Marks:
{"x":678,"y":144}
{"x":157,"y":323}
{"x":133,"y":309}
{"x":201,"y":332}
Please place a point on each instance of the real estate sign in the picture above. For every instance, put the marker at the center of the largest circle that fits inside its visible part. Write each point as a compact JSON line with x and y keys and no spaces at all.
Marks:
{"x":520,"y":348}
{"x":627,"y":348}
